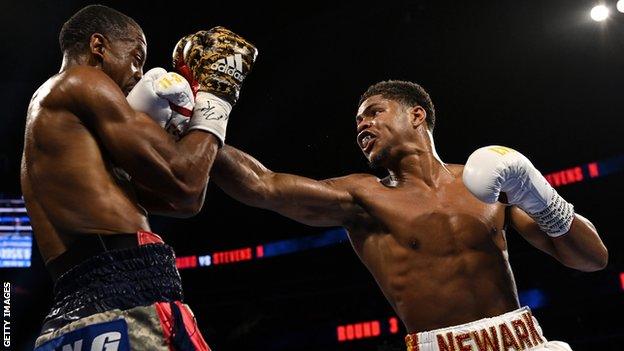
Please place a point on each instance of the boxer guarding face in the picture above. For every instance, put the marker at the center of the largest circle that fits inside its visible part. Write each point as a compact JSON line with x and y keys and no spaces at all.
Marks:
{"x":95,"y":164}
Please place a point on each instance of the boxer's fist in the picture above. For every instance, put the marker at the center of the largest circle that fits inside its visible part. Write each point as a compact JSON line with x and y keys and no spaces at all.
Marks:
{"x":180,"y":66}
{"x":215,"y":61}
{"x":166,"y":97}
{"x":494,"y":169}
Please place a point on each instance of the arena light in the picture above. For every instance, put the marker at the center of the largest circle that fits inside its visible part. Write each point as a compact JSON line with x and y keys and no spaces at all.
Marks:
{"x":15,"y":234}
{"x":599,"y":13}
{"x":393,"y":323}
{"x":573,"y":174}
{"x":355,"y":331}
{"x":534,"y":298}
{"x":186,"y":262}
{"x":15,"y":250}
{"x":620,"y":6}
{"x":232,"y":256}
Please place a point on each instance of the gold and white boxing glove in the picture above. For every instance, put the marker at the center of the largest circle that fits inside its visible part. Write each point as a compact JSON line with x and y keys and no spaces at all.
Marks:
{"x":216,"y":63}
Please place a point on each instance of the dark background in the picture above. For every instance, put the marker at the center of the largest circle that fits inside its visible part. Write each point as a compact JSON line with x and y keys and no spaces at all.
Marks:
{"x":538,"y":76}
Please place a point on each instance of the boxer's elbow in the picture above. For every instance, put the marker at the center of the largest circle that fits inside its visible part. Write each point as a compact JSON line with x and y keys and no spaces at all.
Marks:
{"x":187,"y":212}
{"x":589,"y":263}
{"x":186,"y":208}
{"x":187,"y":199}
{"x":170,"y":208}
{"x":601,"y":261}
{"x":589,"y":267}
{"x":597,"y":256}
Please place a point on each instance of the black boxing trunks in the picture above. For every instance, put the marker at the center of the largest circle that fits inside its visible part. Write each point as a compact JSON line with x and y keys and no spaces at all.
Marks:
{"x":118,"y":292}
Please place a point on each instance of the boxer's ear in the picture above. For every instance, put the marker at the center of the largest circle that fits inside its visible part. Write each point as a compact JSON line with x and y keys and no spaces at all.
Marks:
{"x":97,"y":46}
{"x":417,"y":115}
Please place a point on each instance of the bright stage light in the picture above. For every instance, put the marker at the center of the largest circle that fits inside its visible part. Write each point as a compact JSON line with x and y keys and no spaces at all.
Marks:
{"x":599,"y":13}
{"x":620,"y":5}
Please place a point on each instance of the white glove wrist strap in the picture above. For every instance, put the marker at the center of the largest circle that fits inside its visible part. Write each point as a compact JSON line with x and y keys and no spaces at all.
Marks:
{"x":210,"y":114}
{"x":556,"y":219}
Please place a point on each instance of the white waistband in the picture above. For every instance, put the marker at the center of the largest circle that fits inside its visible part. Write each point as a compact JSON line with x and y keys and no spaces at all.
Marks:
{"x":515,"y":330}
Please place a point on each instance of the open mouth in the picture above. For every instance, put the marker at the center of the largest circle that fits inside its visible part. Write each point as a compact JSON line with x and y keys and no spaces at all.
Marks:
{"x":366,"y":140}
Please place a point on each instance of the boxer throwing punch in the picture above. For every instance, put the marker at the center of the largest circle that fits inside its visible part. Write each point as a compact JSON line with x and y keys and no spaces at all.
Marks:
{"x":437,"y":251}
{"x":95,"y":164}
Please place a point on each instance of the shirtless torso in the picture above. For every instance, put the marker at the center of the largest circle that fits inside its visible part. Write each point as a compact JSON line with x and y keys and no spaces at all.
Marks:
{"x":439,"y":255}
{"x":93,"y":165}
{"x":69,"y":182}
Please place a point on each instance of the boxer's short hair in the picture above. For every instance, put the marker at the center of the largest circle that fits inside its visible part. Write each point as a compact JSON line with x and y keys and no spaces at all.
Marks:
{"x":75,"y":33}
{"x":407,"y":93}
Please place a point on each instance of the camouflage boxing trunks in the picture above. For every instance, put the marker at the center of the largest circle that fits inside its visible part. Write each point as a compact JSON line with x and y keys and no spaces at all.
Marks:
{"x":125,"y":297}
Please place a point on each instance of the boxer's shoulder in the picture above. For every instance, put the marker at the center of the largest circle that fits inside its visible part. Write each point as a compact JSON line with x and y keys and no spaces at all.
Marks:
{"x":71,"y":86}
{"x":353,"y":181}
{"x":84,"y":80}
{"x":86,"y":92}
{"x":356,"y":185}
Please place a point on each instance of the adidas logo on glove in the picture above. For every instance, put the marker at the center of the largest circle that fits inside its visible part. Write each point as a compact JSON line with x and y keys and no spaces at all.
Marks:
{"x":231,"y":65}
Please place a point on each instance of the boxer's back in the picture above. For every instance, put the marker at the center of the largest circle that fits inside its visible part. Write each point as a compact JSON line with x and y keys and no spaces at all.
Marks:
{"x":439,"y":255}
{"x":67,"y":179}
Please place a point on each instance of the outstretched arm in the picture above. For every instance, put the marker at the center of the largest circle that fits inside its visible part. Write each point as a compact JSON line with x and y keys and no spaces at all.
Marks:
{"x":317,"y":203}
{"x":581,"y":248}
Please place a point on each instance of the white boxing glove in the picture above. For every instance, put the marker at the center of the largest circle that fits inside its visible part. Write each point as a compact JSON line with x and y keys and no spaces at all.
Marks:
{"x":166,"y":97}
{"x":494,"y":169}
{"x":211,"y":114}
